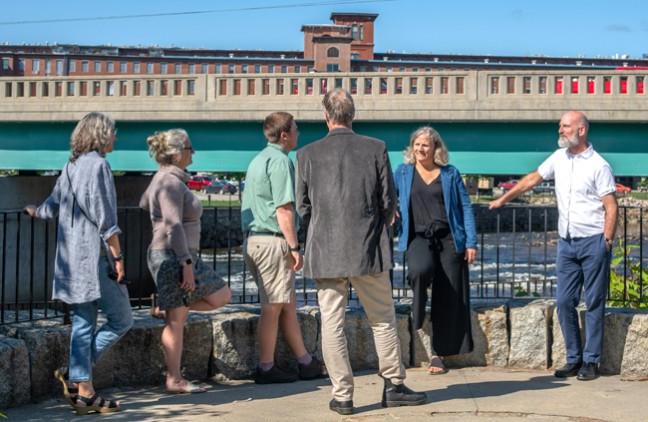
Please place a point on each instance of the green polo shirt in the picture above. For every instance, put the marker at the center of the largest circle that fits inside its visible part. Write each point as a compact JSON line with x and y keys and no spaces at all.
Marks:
{"x":269,"y":183}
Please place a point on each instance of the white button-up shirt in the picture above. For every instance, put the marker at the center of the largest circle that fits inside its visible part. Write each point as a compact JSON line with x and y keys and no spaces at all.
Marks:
{"x":581,"y":181}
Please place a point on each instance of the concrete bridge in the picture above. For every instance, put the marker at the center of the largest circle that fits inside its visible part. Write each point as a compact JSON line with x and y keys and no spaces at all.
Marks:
{"x":494,"y":121}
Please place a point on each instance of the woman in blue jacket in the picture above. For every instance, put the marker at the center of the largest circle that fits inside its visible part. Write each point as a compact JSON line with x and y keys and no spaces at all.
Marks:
{"x":437,"y":229}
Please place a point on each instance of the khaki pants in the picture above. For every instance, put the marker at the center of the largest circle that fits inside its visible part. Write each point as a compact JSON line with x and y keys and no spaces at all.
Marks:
{"x":374,"y":292}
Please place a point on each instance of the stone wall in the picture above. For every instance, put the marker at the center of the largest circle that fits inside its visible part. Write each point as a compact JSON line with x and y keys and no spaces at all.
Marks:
{"x":223,"y":343}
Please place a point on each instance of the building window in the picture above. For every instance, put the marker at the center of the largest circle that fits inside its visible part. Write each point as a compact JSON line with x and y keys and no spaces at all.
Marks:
{"x":164,"y":87}
{"x":284,"y":69}
{"x":85,"y":66}
{"x":231,"y":68}
{"x":204,"y":68}
{"x":542,"y":85}
{"x":250,"y":87}
{"x":640,"y":84}
{"x":192,"y":69}
{"x":32,"y":89}
{"x":96,"y":88}
{"x":310,"y":69}
{"x":137,"y":67}
{"x":237,"y":87}
{"x":72,"y":66}
{"x":510,"y":84}
{"x":149,"y":68}
{"x":265,"y":86}
{"x":444,"y":84}
{"x":123,"y":88}
{"x":110,"y":88}
{"x":413,"y":87}
{"x":257,"y":68}
{"x":59,"y":67}
{"x":323,"y":86}
{"x":5,"y":63}
{"x":623,"y":85}
{"x":332,"y":67}
{"x":428,"y":85}
{"x":97,"y":66}
{"x":607,"y":84}
{"x":332,"y":52}
{"x":150,"y":88}
{"x":297,"y":69}
{"x":383,"y":86}
{"x":309,"y":86}
{"x":20,"y":89}
{"x":558,"y":85}
{"x":591,"y":84}
{"x":355,"y":31}
{"x":111,"y":67}
{"x":270,"y":68}
{"x":294,"y":86}
{"x":222,"y":87}
{"x":398,"y":85}
{"x":137,"y":88}
{"x":58,"y":89}
{"x":123,"y":67}
{"x":35,"y":68}
{"x":70,"y":89}
{"x":48,"y":67}
{"x":526,"y":85}
{"x":368,"y":84}
{"x":459,"y":88}
{"x":218,"y":68}
{"x":21,"y":65}
{"x":8,"y":87}
{"x":191,"y":87}
{"x":164,"y":69}
{"x":338,"y":82}
{"x":83,"y":88}
{"x":280,"y":87}
{"x":574,"y":85}
{"x":177,"y":87}
{"x":244,"y":68}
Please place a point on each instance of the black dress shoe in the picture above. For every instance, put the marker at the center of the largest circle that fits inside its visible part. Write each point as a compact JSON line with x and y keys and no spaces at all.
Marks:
{"x":569,"y":370}
{"x":274,"y":375}
{"x":588,"y":371}
{"x":311,"y":371}
{"x":399,"y":395}
{"x":342,"y":407}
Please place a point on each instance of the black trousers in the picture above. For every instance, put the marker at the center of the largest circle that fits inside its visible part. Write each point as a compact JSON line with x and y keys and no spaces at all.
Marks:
{"x":433,"y":262}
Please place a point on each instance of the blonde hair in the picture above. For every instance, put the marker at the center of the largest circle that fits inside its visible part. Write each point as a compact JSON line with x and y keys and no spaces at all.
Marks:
{"x":440,"y":150}
{"x":94,"y":132}
{"x":165,"y":146}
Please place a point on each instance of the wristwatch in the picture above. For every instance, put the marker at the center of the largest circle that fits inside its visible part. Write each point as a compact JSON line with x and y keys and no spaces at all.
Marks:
{"x":295,"y":249}
{"x":118,"y":257}
{"x":188,"y":261}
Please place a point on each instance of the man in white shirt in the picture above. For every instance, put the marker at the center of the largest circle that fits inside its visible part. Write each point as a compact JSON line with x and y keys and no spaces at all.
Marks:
{"x":587,"y":216}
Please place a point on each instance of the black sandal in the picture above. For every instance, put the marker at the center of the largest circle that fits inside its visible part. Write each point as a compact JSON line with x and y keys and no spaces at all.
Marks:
{"x":85,"y":405}
{"x":70,"y":393}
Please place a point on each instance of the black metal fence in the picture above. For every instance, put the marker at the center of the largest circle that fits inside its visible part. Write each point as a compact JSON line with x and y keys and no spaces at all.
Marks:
{"x":516,"y":258}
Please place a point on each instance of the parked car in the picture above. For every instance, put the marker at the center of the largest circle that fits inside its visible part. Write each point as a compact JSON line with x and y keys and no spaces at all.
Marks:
{"x":199,"y":182}
{"x":544,"y":187}
{"x":510,"y":184}
{"x":221,"y":186}
{"x":622,"y":188}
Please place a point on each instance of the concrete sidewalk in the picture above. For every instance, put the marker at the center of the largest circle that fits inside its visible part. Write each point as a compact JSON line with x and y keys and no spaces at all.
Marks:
{"x":471,"y":394}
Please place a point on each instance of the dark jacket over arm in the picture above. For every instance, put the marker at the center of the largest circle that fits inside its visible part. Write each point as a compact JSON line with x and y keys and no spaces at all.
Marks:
{"x":346,"y":198}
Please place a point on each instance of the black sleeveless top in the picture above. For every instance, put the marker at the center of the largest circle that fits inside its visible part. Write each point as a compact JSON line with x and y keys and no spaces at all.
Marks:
{"x":427,"y":207}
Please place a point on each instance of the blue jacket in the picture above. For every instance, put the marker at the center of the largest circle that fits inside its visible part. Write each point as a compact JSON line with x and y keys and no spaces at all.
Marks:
{"x":457,"y":205}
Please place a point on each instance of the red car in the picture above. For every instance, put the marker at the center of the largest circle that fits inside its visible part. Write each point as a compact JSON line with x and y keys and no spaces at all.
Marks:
{"x":622,"y":188}
{"x":507,"y":185}
{"x":198,"y":182}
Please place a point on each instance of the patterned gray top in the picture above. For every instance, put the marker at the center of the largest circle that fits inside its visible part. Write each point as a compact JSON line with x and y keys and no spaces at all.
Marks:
{"x":76,"y":275}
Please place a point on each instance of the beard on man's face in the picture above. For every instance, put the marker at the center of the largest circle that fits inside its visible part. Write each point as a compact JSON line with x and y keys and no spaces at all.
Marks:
{"x":565,"y":142}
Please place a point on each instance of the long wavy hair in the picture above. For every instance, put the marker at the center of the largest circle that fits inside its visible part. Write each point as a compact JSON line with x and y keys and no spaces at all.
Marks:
{"x":440,"y":149}
{"x":94,"y":132}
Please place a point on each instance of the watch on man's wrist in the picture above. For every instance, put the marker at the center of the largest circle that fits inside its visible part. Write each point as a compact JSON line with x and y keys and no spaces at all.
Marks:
{"x":119,"y":257}
{"x":295,"y":248}
{"x":188,"y":261}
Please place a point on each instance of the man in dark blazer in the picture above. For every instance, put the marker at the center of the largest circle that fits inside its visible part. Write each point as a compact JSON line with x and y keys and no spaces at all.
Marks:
{"x":346,"y":198}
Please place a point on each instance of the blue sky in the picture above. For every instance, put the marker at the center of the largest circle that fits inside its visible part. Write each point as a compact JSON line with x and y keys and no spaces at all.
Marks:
{"x":551,"y":28}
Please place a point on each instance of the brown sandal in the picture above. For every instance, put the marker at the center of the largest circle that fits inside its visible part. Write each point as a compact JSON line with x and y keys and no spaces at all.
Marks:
{"x":85,"y":405}
{"x":70,"y":393}
{"x":436,"y":366}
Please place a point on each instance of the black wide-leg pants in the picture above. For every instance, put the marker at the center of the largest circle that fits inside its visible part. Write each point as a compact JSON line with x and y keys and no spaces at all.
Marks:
{"x":433,"y":262}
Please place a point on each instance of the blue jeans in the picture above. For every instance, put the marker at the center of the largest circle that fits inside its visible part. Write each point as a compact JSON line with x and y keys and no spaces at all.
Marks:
{"x":582,"y":263}
{"x":88,"y":344}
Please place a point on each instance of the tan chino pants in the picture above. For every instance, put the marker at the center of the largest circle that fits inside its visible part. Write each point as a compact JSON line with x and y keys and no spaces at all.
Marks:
{"x":374,"y":292}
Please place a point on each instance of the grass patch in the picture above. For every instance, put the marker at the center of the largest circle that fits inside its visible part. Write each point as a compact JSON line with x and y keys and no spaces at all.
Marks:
{"x":637,"y":195}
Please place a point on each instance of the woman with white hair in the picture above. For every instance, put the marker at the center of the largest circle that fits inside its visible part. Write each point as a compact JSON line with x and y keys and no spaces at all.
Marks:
{"x":89,"y":265}
{"x":437,"y":229}
{"x":183,"y":281}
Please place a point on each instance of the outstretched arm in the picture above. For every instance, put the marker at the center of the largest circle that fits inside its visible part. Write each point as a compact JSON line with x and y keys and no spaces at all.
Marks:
{"x":527,"y":183}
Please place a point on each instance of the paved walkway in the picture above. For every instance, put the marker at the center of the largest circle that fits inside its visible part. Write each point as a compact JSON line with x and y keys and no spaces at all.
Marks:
{"x":471,"y":394}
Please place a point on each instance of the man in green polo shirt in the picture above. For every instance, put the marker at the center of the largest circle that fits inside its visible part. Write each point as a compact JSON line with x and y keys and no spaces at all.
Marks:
{"x":272,"y":250}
